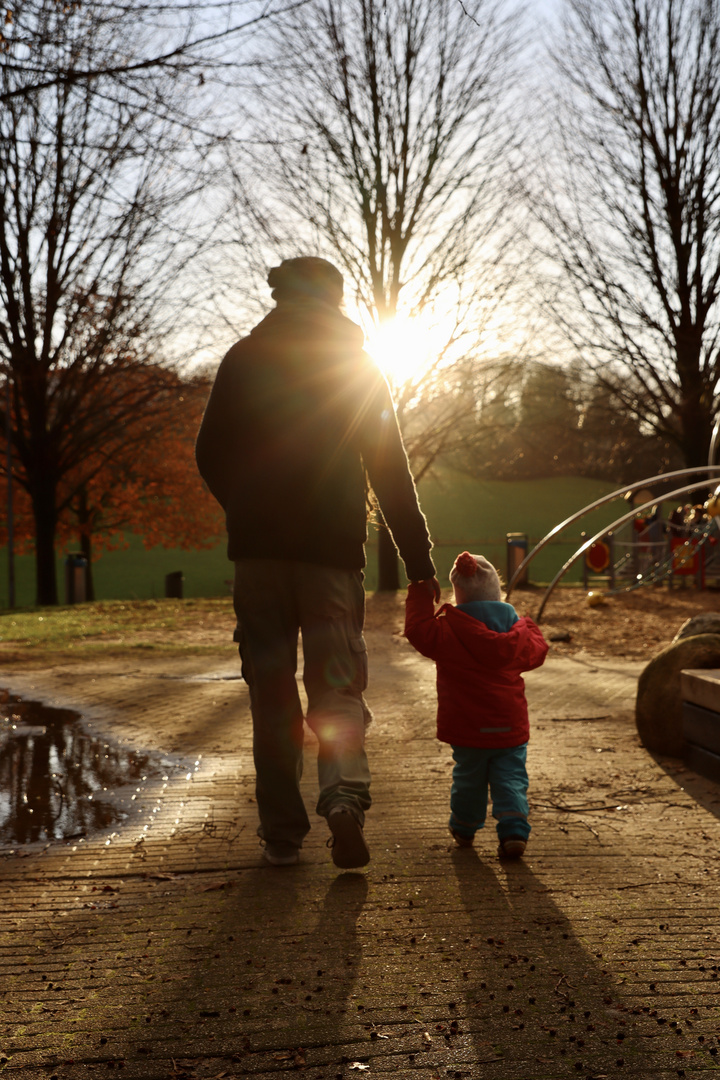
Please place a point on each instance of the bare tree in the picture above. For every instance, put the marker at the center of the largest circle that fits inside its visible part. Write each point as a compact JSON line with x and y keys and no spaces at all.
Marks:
{"x":634,"y":225}
{"x":180,"y":39}
{"x":96,"y":180}
{"x":386,"y":143}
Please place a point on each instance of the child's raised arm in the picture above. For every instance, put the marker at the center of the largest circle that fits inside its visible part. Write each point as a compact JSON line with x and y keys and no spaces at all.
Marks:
{"x":421,"y":626}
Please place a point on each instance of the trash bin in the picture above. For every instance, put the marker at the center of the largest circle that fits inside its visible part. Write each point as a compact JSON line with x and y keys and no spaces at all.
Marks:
{"x":174,"y":585}
{"x":517,"y":549}
{"x":75,"y":578}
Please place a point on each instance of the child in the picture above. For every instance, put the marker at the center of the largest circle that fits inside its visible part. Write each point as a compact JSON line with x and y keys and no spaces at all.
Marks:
{"x":480,"y":647}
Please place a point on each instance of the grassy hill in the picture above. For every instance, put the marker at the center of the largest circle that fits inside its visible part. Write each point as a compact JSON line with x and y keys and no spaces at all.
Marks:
{"x":478,"y":515}
{"x":461,"y":512}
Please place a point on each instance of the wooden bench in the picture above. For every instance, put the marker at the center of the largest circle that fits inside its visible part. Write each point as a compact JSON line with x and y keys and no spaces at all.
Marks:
{"x":701,"y":720}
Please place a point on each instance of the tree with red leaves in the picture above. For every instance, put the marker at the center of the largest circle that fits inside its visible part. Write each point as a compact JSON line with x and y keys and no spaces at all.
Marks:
{"x":141,"y":478}
{"x":147,"y":482}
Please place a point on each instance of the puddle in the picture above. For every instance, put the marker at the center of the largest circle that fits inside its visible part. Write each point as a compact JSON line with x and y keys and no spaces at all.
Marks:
{"x":57,"y":782}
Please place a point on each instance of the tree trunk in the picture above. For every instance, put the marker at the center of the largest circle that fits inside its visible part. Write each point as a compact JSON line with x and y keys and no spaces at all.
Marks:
{"x":696,"y":422}
{"x":84,"y":516}
{"x":388,"y":569}
{"x":86,"y":548}
{"x":43,"y":500}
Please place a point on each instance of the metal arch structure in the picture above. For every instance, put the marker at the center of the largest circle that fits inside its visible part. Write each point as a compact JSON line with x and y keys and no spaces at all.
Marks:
{"x":619,"y":493}
{"x":709,"y":471}
{"x":714,"y":442}
{"x":701,"y":534}
{"x":684,"y":490}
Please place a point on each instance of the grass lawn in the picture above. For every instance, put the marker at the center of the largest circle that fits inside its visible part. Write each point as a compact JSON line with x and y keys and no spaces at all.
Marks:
{"x":111,"y":625}
{"x":478,"y":515}
{"x":461,"y":512}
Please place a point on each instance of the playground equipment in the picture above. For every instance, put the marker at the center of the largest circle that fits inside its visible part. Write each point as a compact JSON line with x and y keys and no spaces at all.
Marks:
{"x":652,"y":571}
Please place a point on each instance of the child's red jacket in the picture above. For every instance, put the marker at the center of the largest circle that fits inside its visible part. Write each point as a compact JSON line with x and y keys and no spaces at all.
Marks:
{"x":481,"y":692}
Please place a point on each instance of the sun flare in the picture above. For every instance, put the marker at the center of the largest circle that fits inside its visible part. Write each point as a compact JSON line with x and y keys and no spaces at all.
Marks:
{"x":404,"y":349}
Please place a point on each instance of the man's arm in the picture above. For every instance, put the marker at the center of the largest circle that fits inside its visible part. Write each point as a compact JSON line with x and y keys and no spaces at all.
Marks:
{"x":389,"y":472}
{"x":218,"y":431}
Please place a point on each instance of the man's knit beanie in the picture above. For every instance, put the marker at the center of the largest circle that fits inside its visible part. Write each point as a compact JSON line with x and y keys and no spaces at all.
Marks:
{"x":307,"y":277}
{"x":476,"y":577}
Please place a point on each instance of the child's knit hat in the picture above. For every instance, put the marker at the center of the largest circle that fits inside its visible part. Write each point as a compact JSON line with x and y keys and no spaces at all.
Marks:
{"x":477,"y":578}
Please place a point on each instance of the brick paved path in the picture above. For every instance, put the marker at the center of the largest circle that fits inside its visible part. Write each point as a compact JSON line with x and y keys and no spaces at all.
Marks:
{"x":171,"y":950}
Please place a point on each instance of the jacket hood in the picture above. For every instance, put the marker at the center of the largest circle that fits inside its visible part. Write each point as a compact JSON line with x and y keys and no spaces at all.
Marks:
{"x":521,"y":647}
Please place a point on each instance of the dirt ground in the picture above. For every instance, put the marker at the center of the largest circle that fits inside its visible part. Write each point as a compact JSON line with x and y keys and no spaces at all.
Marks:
{"x":110,"y":682}
{"x":631,"y":626}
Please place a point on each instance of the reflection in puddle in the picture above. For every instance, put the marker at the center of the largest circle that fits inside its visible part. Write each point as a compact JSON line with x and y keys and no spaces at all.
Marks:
{"x":56,"y":781}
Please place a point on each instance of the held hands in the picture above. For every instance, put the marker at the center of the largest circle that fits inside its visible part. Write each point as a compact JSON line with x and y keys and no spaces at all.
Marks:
{"x":431,"y":585}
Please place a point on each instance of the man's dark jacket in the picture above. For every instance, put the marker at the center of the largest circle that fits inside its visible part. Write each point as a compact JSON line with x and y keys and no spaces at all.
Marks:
{"x":297,"y":413}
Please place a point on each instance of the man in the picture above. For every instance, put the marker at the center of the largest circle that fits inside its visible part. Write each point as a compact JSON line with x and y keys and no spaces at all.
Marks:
{"x":297,"y":417}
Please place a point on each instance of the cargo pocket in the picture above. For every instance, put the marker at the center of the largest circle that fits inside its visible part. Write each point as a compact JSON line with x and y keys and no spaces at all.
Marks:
{"x":359,"y":649}
{"x":239,"y":639}
{"x":358,"y":646}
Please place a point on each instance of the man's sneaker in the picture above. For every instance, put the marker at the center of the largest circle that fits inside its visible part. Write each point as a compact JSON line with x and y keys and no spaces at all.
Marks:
{"x":281,"y":854}
{"x":512,"y":847}
{"x":460,"y":840}
{"x":349,"y":849}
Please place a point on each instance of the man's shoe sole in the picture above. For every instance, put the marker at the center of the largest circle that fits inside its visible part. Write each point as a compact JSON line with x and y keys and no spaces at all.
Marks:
{"x":281,"y":860}
{"x":349,"y":850}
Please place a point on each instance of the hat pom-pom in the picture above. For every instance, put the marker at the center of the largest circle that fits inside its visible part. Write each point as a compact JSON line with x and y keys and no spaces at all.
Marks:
{"x":466,"y":564}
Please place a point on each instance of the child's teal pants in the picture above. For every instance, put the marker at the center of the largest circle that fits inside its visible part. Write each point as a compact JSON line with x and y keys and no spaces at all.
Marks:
{"x":504,"y":772}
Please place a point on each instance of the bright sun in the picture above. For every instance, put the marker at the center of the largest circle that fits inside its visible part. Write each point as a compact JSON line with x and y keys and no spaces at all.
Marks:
{"x":404,"y":348}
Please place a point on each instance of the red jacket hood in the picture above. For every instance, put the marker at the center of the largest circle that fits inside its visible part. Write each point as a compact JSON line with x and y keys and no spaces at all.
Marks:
{"x":521,"y":648}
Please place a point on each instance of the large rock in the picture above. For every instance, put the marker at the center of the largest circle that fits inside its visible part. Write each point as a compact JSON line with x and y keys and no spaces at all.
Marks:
{"x":706,"y":623}
{"x":658,"y":710}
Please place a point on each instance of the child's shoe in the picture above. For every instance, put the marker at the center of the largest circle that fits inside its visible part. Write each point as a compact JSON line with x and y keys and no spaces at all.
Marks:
{"x":460,"y":840}
{"x":512,"y":847}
